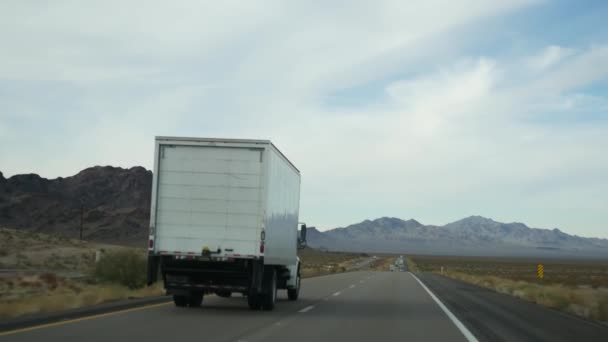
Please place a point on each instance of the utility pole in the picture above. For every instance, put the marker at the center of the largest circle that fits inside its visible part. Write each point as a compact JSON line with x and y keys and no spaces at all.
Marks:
{"x":81,"y":217}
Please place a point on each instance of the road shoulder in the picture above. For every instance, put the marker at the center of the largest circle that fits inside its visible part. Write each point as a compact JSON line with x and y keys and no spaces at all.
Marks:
{"x":78,"y":313}
{"x":492,"y":316}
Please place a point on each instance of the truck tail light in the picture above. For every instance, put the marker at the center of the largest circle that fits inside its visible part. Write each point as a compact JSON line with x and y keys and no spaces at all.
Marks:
{"x":262,"y":248}
{"x":151,"y":243}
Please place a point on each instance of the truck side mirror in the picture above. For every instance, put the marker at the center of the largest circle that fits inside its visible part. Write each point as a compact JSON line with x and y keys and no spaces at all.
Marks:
{"x":303,"y":232}
{"x":302,"y":238}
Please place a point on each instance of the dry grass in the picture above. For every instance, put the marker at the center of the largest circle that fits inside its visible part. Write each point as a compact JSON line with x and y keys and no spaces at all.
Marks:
{"x":316,"y":263}
{"x":573,"y":272}
{"x":53,"y":273}
{"x":579,"y":287}
{"x":127,"y":268}
{"x":31,"y":294}
{"x":411,"y":265}
{"x":584,"y":301}
{"x":26,"y":250}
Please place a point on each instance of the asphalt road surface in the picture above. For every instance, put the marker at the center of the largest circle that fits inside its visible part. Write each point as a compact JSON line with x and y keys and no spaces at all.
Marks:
{"x":355,"y":306}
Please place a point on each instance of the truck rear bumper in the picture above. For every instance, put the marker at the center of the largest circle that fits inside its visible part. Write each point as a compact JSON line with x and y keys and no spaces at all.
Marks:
{"x":192,"y":275}
{"x":173,"y":288}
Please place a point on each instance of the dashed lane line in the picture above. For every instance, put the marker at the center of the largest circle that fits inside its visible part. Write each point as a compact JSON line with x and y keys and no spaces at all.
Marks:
{"x":306,"y":309}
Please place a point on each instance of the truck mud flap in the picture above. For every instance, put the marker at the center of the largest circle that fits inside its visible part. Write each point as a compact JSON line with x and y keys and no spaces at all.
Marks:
{"x":153,"y":263}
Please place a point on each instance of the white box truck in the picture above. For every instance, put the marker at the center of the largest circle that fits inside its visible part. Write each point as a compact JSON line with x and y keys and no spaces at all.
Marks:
{"x":224,"y":219}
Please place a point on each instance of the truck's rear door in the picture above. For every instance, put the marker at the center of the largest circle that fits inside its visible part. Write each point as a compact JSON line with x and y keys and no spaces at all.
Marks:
{"x":209,"y":197}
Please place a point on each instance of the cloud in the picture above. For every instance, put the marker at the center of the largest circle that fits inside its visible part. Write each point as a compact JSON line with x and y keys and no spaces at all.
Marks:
{"x":449,"y":131}
{"x":467,"y":134}
{"x":549,"y":57}
{"x":429,"y":102}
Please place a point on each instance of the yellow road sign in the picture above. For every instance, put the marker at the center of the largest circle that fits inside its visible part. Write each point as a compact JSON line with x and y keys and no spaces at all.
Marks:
{"x":541,"y":271}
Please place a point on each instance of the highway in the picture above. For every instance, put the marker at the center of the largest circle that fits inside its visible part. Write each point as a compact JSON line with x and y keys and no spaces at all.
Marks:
{"x":353,"y":306}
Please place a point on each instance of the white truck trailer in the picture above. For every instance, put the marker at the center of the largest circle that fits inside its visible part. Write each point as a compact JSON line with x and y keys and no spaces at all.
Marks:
{"x":224,"y":219}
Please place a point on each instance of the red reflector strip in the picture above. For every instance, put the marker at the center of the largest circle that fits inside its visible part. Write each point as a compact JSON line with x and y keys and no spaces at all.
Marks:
{"x":262,"y":248}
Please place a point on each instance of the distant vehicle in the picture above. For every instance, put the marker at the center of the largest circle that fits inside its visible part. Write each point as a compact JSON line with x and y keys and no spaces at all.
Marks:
{"x":392,"y":268}
{"x":224,"y":219}
{"x":399,"y":261}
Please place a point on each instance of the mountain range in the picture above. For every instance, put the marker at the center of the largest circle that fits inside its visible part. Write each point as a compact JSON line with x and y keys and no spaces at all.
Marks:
{"x":114,"y":203}
{"x":474,"y":235}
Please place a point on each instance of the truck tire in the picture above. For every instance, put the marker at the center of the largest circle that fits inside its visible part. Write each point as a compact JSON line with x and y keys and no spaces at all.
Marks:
{"x":195,"y":300}
{"x":254,"y":302}
{"x":270,"y":289}
{"x":293,"y":294}
{"x":180,"y":301}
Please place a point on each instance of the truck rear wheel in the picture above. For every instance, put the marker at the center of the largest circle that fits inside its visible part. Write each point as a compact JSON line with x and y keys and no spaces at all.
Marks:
{"x":293,"y":294}
{"x":253,"y":299}
{"x":270,"y":289}
{"x":195,"y":300}
{"x":180,"y":301}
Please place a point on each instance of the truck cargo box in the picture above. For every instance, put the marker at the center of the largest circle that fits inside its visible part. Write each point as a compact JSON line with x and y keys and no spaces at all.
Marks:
{"x":225,"y":198}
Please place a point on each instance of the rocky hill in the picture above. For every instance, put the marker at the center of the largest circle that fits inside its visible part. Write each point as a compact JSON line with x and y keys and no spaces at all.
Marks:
{"x":115,"y":203}
{"x":473,"y":235}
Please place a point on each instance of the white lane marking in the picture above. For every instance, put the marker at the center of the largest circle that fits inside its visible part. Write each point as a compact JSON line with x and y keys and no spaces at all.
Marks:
{"x":352,"y":286}
{"x":336,"y":294}
{"x":308,"y":308}
{"x":467,"y":334}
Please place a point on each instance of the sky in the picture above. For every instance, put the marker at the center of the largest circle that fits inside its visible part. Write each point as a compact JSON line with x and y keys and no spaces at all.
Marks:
{"x":435,"y":111}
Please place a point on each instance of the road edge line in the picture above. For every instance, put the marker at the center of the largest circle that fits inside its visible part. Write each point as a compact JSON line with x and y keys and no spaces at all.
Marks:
{"x":463,"y":329}
{"x":79,"y":319}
